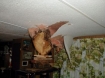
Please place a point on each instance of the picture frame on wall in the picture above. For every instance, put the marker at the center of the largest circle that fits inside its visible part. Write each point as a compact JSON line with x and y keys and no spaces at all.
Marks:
{"x":24,"y":63}
{"x":27,"y":55}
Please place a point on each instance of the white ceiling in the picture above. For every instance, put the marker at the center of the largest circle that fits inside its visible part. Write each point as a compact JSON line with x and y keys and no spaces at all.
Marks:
{"x":87,"y":17}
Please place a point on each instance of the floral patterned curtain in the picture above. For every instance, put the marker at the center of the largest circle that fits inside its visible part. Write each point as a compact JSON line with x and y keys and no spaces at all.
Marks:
{"x":87,"y":59}
{"x":60,"y":61}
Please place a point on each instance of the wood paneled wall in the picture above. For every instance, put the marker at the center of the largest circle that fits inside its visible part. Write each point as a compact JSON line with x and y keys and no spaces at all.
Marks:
{"x":90,"y":36}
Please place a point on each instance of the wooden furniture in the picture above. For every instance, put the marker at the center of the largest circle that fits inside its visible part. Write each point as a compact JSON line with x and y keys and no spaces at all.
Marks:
{"x":5,"y":72}
{"x":5,"y":53}
{"x":40,"y":61}
{"x":22,"y":52}
{"x":31,"y":73}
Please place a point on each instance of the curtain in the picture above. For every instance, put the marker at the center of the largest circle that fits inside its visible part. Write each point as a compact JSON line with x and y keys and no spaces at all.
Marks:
{"x":87,"y":59}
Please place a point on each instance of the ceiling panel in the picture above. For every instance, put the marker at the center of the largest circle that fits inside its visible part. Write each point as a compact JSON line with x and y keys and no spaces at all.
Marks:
{"x":85,"y":16}
{"x":9,"y":32}
{"x":94,"y":9}
{"x":8,"y":28}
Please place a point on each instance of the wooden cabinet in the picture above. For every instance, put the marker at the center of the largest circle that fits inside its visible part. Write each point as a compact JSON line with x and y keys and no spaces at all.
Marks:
{"x":22,"y":52}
